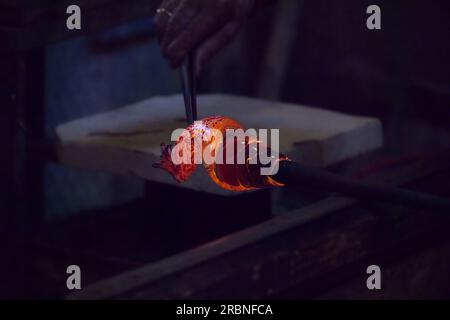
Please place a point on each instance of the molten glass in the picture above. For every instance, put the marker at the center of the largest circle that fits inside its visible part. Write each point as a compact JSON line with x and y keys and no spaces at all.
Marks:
{"x":234,"y":176}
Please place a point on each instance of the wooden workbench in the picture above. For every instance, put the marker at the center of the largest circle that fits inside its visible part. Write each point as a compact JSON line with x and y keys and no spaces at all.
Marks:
{"x":317,"y":251}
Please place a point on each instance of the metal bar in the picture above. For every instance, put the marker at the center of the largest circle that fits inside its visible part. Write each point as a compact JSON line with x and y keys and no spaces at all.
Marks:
{"x":295,"y":174}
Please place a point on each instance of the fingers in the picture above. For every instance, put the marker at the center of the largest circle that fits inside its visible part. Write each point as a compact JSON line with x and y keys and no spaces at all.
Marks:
{"x":200,"y":28}
{"x":183,"y":15}
{"x":215,"y":43}
{"x":161,"y":20}
{"x":194,"y":22}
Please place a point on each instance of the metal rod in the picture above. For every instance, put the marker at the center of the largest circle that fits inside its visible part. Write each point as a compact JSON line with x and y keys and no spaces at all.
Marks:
{"x":293,"y":173}
{"x":189,"y":87}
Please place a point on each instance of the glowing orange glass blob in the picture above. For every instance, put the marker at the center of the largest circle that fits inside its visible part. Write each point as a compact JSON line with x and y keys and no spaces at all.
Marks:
{"x":236,"y":177}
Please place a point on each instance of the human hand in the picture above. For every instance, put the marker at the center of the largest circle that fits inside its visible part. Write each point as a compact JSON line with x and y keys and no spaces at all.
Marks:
{"x":206,"y":25}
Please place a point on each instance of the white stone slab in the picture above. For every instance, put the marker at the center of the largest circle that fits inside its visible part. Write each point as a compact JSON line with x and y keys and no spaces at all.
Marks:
{"x":126,"y":140}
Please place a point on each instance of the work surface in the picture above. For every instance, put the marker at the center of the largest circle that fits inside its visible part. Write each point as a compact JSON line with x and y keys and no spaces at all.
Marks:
{"x":311,"y":246}
{"x":127,"y":141}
